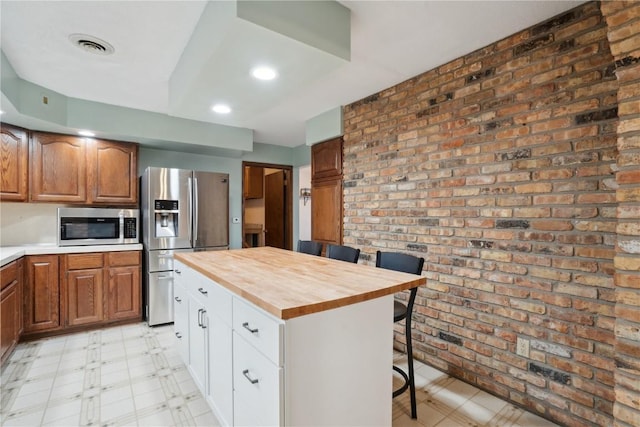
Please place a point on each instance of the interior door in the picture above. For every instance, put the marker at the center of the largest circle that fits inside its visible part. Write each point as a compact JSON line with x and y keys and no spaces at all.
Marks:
{"x":275,"y":210}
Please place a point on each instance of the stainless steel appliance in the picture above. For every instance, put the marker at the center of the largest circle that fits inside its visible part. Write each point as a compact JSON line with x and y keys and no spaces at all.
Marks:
{"x":182,"y":210}
{"x":97,"y":226}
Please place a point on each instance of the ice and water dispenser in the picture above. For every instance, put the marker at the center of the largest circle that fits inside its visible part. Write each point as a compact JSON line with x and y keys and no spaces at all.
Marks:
{"x":166,"y":218}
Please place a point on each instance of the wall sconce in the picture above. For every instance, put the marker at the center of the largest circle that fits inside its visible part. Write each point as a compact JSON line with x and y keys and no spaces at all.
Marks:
{"x":305,"y":195}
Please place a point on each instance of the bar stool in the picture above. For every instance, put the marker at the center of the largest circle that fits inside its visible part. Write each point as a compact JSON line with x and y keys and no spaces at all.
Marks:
{"x":343,"y":253}
{"x":408,"y":264}
{"x":309,"y":247}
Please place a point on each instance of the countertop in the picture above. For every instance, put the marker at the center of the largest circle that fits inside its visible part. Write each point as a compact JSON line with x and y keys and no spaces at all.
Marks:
{"x":289,"y":284}
{"x":11,"y":253}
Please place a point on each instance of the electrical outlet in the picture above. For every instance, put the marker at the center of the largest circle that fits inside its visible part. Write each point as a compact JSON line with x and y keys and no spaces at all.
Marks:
{"x":522,"y":347}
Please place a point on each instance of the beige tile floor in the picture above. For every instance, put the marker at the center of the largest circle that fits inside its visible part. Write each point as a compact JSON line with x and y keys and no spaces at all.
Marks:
{"x":132,"y":375}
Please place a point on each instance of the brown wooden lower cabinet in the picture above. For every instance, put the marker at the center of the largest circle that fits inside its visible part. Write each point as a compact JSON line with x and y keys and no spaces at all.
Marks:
{"x":81,"y":290}
{"x":41,"y":293}
{"x":10,"y":307}
{"x":124,"y":300}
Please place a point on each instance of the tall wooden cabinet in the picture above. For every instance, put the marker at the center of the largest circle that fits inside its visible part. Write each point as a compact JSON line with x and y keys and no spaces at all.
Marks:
{"x":14,"y":163}
{"x":326,"y":192}
{"x":71,"y":169}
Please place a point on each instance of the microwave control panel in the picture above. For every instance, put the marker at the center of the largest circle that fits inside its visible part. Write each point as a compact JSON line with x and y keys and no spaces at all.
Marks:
{"x":130,"y":228}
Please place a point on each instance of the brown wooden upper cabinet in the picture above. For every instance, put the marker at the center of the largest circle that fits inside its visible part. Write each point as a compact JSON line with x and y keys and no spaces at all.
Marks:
{"x":326,"y":160}
{"x":58,"y":168}
{"x":113,"y":173}
{"x":70,"y":169}
{"x":14,"y":161}
{"x":253,"y":182}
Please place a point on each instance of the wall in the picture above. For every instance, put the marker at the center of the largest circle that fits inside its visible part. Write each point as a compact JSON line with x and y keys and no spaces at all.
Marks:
{"x":28,"y":223}
{"x":500,"y":169}
{"x":264,"y":153}
{"x":304,"y":219}
{"x":623,"y":32}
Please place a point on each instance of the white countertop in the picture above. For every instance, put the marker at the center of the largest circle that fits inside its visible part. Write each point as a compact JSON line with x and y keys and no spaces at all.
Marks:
{"x":11,"y":253}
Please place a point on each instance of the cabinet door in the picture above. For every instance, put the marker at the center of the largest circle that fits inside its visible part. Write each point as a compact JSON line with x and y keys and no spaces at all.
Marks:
{"x":58,"y":168}
{"x":198,"y":343}
{"x":221,"y":368}
{"x":113,"y":173}
{"x":326,"y":159}
{"x":10,"y":308}
{"x":84,"y":296}
{"x":124,"y":293}
{"x":42,"y":293}
{"x":253,"y":182}
{"x":14,"y":158}
{"x":326,"y":211}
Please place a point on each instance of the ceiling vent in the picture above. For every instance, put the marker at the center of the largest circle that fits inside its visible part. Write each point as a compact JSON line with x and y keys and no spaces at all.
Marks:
{"x":91,"y":44}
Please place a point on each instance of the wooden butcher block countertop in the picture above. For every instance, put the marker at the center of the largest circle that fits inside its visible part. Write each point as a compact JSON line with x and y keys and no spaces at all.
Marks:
{"x":290,"y":284}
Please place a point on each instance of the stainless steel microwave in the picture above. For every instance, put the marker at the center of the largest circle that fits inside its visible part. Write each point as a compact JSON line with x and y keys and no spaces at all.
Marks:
{"x":98,"y":226}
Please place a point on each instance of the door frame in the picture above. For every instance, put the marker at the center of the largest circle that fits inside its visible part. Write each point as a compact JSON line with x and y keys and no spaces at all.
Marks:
{"x":288,"y":171}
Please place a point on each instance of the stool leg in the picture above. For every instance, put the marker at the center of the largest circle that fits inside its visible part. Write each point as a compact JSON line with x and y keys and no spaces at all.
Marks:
{"x":412,"y":383}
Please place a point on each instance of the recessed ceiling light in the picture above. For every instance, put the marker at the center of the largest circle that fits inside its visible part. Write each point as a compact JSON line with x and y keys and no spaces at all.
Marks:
{"x":221,"y":109}
{"x":86,"y":133}
{"x":264,"y":73}
{"x":1,"y":112}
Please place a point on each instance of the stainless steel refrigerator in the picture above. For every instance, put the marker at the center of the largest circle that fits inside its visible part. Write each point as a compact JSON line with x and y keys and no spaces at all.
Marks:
{"x":182,"y":210}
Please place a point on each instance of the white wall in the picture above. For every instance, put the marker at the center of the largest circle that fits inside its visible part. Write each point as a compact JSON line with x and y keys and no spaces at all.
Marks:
{"x":28,"y":223}
{"x":304,"y":211}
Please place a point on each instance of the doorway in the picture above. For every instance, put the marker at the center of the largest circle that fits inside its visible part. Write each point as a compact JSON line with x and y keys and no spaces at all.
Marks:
{"x":267,"y":205}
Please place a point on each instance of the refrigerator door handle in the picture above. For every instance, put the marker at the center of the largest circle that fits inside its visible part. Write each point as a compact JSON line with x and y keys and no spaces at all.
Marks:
{"x":190,"y":215}
{"x":195,"y":211}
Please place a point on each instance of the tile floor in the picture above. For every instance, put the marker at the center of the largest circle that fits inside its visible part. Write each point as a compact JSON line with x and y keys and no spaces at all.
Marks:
{"x":132,"y":375}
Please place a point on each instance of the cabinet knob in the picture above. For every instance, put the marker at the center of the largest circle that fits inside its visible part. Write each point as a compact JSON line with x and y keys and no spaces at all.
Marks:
{"x":248,"y":328}
{"x":202,"y":291}
{"x":178,"y":334}
{"x":177,"y":299}
{"x":246,"y":375}
{"x":177,"y":271}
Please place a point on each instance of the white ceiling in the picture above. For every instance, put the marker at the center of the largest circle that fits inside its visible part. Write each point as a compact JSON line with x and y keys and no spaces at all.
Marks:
{"x":391,"y":41}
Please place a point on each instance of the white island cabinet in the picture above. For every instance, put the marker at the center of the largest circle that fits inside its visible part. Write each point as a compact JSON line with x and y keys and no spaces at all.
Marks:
{"x":280,"y":350}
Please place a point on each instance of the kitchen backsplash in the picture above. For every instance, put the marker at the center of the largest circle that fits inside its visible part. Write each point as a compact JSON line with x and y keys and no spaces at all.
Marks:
{"x":28,"y":223}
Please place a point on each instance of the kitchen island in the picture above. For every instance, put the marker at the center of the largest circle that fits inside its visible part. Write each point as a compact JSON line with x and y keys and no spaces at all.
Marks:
{"x":275,"y":337}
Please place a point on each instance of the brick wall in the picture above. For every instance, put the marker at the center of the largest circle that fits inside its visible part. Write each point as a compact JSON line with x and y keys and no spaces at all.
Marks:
{"x":504,"y":169}
{"x":623,"y":23}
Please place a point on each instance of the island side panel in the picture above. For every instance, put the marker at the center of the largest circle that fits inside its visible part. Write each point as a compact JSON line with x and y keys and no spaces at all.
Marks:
{"x":339,"y":366}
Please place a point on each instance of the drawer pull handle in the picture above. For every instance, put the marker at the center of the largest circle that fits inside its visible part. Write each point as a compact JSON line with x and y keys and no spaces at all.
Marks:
{"x":246,"y":375}
{"x":177,"y":299}
{"x":248,"y":328}
{"x":178,"y":334}
{"x":202,"y":291}
{"x":178,"y":271}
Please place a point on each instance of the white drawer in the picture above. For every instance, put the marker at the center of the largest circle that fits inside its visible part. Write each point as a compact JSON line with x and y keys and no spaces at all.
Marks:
{"x":213,"y":296}
{"x":258,"y":387}
{"x":260,"y":329}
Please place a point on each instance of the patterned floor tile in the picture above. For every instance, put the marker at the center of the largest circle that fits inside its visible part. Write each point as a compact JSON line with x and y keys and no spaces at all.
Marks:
{"x":133,"y":375}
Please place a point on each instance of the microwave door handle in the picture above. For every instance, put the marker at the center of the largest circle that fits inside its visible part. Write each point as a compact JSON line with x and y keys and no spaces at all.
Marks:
{"x":195,"y":211}
{"x":121,"y":227}
{"x":190,"y":213}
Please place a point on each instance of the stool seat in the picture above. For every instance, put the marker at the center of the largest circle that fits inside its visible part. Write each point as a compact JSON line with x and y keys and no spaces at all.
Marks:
{"x":399,"y":311}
